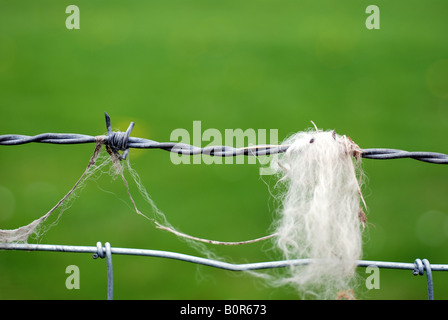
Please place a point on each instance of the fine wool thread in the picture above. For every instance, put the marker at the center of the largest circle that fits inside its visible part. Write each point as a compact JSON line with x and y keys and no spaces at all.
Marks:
{"x":321,"y":216}
{"x":22,"y":234}
{"x":37,"y":228}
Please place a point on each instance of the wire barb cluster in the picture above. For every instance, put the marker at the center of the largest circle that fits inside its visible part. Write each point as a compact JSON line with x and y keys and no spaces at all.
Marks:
{"x":122,"y":141}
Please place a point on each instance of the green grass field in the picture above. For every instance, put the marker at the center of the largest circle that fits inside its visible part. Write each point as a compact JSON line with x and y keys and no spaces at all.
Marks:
{"x":230,"y":64}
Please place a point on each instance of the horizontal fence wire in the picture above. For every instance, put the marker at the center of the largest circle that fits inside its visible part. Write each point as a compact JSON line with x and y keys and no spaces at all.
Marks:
{"x":99,"y":251}
{"x":123,"y":141}
{"x":418,"y":267}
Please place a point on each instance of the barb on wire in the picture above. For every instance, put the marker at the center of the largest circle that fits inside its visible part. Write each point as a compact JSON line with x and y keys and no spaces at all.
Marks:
{"x":122,"y":141}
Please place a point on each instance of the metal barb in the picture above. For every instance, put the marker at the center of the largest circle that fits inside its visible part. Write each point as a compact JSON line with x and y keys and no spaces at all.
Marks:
{"x":118,"y":141}
{"x":108,"y":125}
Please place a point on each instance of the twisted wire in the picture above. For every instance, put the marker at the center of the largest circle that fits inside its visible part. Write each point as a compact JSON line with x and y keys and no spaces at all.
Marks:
{"x":122,"y":141}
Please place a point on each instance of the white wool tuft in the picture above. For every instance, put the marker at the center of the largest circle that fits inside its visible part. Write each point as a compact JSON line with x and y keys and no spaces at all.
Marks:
{"x":321,"y":209}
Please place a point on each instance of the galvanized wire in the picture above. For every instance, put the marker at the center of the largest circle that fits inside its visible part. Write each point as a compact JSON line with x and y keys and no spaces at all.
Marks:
{"x":418,"y":267}
{"x":123,"y":141}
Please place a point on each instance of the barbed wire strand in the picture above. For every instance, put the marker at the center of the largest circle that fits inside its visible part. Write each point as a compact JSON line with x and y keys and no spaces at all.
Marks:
{"x":123,"y":141}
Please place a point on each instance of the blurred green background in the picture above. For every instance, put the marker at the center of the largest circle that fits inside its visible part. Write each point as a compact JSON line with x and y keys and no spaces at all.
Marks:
{"x":229,"y":64}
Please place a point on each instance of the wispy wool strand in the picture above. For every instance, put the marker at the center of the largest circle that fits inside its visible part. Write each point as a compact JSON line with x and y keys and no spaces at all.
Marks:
{"x":321,"y":215}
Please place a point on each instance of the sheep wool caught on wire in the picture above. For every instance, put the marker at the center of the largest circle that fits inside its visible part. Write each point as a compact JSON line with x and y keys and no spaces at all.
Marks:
{"x":320,"y":219}
{"x":321,"y":214}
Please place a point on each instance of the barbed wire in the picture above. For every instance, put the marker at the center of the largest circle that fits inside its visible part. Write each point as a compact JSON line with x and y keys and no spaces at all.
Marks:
{"x":419,"y":267}
{"x":122,"y":141}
